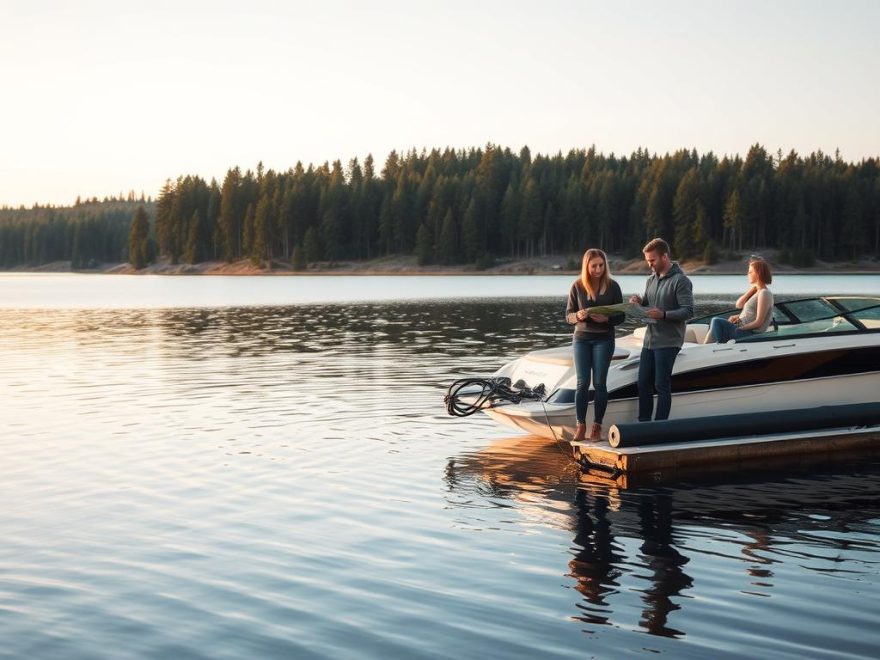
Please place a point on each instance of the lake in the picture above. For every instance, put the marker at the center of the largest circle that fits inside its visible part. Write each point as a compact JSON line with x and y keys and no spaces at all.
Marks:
{"x":262,"y":467}
{"x":79,"y":291}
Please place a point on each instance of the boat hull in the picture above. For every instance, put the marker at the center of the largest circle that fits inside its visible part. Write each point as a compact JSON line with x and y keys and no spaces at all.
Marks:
{"x":558,"y":420}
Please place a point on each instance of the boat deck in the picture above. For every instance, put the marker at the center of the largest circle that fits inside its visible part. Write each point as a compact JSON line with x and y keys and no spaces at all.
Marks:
{"x":731,"y":452}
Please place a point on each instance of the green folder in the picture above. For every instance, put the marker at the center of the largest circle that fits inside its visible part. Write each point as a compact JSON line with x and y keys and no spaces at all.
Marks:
{"x":630,"y":309}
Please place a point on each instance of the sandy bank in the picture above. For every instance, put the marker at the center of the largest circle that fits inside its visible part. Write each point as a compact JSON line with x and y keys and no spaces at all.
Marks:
{"x":550,"y":265}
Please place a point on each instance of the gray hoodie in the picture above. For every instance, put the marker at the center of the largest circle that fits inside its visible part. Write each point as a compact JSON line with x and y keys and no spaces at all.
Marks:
{"x":674,"y":294}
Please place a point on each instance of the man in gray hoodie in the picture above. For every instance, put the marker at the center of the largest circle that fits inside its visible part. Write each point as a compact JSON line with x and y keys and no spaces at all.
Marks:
{"x":669,"y":297}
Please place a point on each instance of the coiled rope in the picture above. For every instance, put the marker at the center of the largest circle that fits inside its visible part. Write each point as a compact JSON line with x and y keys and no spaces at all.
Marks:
{"x":490,"y":390}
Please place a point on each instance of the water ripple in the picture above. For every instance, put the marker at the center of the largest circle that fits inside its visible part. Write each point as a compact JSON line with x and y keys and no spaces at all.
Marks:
{"x":283,"y":481}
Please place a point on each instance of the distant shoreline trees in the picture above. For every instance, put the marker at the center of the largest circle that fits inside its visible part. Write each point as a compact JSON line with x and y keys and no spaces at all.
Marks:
{"x":89,"y":233}
{"x":474,"y":206}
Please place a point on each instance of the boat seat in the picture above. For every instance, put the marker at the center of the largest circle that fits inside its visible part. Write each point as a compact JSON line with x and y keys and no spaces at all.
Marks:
{"x":696,"y":332}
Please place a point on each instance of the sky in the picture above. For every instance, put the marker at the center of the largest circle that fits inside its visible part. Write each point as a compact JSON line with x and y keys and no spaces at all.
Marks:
{"x":101,"y":97}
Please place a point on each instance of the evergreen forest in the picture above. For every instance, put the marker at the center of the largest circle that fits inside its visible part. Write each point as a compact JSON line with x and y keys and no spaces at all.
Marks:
{"x":473,"y":206}
{"x":88,"y":234}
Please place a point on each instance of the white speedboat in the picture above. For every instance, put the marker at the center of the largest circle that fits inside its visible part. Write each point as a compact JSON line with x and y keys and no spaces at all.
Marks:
{"x":819,"y":351}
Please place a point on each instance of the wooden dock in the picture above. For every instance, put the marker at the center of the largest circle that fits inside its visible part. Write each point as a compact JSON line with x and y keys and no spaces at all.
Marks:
{"x":728,"y":452}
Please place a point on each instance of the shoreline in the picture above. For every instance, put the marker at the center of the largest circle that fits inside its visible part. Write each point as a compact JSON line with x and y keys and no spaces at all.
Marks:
{"x":406,"y":266}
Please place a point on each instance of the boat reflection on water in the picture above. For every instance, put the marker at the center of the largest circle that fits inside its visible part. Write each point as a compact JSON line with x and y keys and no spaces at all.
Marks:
{"x":640,"y":534}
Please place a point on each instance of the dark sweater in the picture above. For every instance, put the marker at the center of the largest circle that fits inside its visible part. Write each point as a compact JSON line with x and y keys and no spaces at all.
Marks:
{"x":579,"y":299}
{"x":674,"y":294}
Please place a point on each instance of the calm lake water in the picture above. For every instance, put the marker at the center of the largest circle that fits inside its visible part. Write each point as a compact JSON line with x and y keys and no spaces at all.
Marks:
{"x":207,"y":467}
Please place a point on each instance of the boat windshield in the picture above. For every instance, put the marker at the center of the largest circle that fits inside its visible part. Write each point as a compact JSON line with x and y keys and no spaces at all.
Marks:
{"x":812,"y":316}
{"x":868,"y":316}
{"x":808,"y":311}
{"x":823,"y":326}
{"x":857,"y":304}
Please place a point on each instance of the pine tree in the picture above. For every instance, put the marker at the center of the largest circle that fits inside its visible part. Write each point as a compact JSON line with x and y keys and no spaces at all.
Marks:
{"x":701,"y":236}
{"x":229,"y":221}
{"x":333,"y":213}
{"x":570,"y":214}
{"x":139,"y":239}
{"x":312,"y":246}
{"x":757,"y":169}
{"x":470,"y":233}
{"x":297,"y":259}
{"x":386,"y":227}
{"x":247,"y":232}
{"x":392,"y":167}
{"x":490,"y":187}
{"x":424,"y":245}
{"x":710,"y":253}
{"x":165,"y":217}
{"x":369,"y":200}
{"x":259,"y":251}
{"x":331,"y":233}
{"x":733,"y":221}
{"x":606,"y":209}
{"x":684,"y":213}
{"x":77,"y":260}
{"x":446,"y":246}
{"x":356,"y":213}
{"x":401,"y":213}
{"x":510,"y":218}
{"x":192,"y":252}
{"x":852,"y":221}
{"x":530,"y":217}
{"x":212,"y":247}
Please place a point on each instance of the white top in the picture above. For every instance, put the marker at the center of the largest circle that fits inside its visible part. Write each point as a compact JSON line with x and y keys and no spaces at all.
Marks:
{"x":750,"y":311}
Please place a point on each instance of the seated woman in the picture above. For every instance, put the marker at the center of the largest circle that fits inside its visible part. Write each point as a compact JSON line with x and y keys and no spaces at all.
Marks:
{"x":756,"y":305}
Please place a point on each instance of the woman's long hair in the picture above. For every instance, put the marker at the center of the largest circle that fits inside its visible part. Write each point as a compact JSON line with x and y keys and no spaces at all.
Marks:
{"x":589,"y":255}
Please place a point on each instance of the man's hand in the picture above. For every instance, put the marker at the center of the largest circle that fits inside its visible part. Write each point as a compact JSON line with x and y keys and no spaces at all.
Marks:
{"x":654,"y":313}
{"x":635,"y":300}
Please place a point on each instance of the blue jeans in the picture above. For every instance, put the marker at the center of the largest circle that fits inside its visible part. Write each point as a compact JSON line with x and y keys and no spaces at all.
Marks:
{"x":655,"y":372}
{"x":592,"y":355}
{"x":723,"y":331}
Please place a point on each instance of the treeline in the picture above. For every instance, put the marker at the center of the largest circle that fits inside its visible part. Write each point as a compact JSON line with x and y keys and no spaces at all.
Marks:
{"x":477,"y":205}
{"x":87,"y":234}
{"x":480,"y":204}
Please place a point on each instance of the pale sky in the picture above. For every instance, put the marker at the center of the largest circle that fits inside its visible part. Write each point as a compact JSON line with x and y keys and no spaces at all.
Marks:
{"x":101,"y":97}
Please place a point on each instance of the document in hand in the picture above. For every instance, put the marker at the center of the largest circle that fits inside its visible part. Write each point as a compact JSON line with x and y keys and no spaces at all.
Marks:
{"x":630,"y":309}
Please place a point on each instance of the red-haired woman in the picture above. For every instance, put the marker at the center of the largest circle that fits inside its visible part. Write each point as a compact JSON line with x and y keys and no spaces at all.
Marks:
{"x":593,"y":340}
{"x":756,"y":305}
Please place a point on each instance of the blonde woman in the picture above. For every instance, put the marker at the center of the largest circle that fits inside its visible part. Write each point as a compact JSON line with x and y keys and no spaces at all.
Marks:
{"x":593,"y":340}
{"x":756,"y":305}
